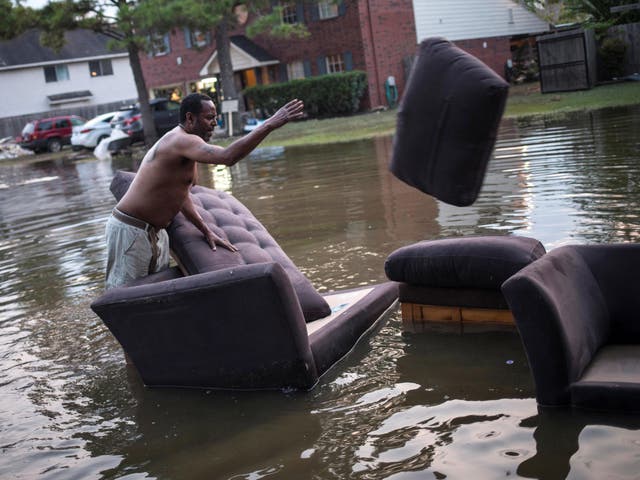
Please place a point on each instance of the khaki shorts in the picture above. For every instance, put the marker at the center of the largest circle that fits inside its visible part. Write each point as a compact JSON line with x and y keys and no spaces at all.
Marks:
{"x":134,"y":249}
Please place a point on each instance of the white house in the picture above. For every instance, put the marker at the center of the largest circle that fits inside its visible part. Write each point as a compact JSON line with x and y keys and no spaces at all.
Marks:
{"x":471,"y":19}
{"x":492,"y":30}
{"x":84,"y":78}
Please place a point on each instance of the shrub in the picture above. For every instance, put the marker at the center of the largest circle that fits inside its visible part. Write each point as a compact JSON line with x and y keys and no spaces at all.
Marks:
{"x":327,"y":95}
{"x":612,"y":52}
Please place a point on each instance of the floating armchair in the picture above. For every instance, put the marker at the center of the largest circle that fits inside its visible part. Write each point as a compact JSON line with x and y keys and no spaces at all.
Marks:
{"x":576,"y":309}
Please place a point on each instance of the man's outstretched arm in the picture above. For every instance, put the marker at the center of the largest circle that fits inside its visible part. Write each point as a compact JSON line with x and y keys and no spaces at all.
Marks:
{"x":207,"y":153}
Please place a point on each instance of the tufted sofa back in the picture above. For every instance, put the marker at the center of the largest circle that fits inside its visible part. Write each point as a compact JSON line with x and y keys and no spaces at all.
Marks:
{"x":229,"y":218}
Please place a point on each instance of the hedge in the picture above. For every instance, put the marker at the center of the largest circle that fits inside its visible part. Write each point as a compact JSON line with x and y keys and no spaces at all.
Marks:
{"x":327,"y":95}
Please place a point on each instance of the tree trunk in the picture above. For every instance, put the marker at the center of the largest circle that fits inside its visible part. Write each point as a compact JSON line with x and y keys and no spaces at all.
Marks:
{"x":150,"y":134}
{"x":223,"y":46}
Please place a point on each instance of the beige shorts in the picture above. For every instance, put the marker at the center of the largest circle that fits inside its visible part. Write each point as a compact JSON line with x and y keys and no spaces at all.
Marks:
{"x":134,"y":249}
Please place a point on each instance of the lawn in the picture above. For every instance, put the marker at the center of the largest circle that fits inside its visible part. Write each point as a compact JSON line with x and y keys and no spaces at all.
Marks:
{"x":524,"y":100}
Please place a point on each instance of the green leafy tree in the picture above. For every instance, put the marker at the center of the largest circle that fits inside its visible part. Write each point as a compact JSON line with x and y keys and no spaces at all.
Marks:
{"x":15,"y":19}
{"x":598,"y":14}
{"x":601,"y":14}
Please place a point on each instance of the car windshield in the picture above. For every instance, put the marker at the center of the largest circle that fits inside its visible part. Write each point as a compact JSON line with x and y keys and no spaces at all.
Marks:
{"x":28,"y":128}
{"x":99,"y":119}
{"x":124,"y":114}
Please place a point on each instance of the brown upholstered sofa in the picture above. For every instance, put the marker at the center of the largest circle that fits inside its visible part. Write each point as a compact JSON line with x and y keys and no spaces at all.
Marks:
{"x":247,"y":320}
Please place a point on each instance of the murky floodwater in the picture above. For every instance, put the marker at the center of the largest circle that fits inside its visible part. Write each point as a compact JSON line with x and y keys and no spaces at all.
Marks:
{"x":400,"y":406}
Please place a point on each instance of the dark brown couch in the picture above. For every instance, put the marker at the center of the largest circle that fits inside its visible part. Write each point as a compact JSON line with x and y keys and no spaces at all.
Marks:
{"x":240,"y":321}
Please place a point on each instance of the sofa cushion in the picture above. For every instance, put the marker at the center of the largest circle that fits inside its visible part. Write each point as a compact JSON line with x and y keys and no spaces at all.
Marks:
{"x":472,"y":262}
{"x":447,"y":123}
{"x":612,"y":380}
{"x":229,"y":218}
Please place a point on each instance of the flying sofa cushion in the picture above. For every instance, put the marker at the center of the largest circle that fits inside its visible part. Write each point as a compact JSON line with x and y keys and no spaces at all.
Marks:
{"x":230,"y":219}
{"x":447,"y":123}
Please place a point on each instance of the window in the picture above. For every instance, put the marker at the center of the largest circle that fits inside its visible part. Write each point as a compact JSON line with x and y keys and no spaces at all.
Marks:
{"x":46,"y":125}
{"x":289,"y":13}
{"x":160,"y":44}
{"x":63,"y":123}
{"x":335,"y":64}
{"x":56,"y":73}
{"x":197,"y":38}
{"x":99,"y":68}
{"x":295,"y":70}
{"x":327,"y":9}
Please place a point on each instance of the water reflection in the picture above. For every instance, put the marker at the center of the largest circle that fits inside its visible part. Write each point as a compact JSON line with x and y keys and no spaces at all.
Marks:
{"x":400,"y":406}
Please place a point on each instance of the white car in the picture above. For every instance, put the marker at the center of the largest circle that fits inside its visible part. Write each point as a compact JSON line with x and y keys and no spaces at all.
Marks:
{"x":251,"y":123}
{"x":90,"y":134}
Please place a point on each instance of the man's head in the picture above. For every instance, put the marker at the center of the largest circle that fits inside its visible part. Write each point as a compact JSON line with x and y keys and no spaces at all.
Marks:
{"x":198,"y":115}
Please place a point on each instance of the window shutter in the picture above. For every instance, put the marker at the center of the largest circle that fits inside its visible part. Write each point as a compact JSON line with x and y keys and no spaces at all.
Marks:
{"x":283,"y":73}
{"x":315,"y":13}
{"x":322,"y":65}
{"x":187,"y":37}
{"x":341,"y":8}
{"x":307,"y":68}
{"x":300,"y":12}
{"x":348,"y":61}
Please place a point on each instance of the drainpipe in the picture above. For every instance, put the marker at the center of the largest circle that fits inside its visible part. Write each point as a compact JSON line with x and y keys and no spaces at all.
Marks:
{"x":375,"y":57}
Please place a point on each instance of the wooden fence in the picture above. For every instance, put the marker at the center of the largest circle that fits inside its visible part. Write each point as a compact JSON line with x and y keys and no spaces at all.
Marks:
{"x":567,"y":60}
{"x":630,"y":33}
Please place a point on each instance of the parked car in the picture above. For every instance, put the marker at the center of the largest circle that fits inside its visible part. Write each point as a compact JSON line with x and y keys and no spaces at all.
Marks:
{"x":166,"y":115}
{"x":250,"y":123}
{"x":89,"y":134}
{"x":49,"y":133}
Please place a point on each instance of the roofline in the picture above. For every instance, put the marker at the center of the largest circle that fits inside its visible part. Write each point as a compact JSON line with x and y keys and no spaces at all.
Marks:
{"x":204,"y":71}
{"x":65,"y":61}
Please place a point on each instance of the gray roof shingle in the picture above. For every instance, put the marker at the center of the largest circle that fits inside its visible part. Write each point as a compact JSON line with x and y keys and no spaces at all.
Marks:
{"x":26,"y":49}
{"x":256,"y":51}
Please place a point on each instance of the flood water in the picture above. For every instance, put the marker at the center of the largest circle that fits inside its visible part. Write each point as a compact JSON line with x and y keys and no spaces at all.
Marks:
{"x":400,"y":406}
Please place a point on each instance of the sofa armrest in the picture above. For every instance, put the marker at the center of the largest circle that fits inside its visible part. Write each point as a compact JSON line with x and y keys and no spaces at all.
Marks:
{"x":236,"y":328}
{"x":562,"y":319}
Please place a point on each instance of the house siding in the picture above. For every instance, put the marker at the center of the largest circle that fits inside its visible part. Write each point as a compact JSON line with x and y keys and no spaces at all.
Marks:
{"x":29,"y":91}
{"x":474,"y":19}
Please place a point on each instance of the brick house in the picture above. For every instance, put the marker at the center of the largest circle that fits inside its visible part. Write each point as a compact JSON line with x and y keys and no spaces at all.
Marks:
{"x":379,"y":37}
{"x":342,"y":39}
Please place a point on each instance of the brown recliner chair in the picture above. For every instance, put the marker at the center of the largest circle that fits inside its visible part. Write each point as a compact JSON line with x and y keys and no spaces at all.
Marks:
{"x":239,"y":321}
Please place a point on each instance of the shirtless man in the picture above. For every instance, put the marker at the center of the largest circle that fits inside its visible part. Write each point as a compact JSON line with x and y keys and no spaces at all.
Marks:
{"x":137,"y":242}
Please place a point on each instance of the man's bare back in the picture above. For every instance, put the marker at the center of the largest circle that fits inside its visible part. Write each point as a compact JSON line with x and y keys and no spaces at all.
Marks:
{"x":162,"y":183}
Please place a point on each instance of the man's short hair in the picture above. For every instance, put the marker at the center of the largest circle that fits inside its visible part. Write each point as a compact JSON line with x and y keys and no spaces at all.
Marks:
{"x":192,"y":103}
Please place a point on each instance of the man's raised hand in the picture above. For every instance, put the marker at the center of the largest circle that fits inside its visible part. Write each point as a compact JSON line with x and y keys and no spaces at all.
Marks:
{"x":291,"y":111}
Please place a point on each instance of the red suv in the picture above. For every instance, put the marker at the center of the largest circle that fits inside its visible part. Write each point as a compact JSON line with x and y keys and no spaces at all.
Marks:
{"x":49,"y":133}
